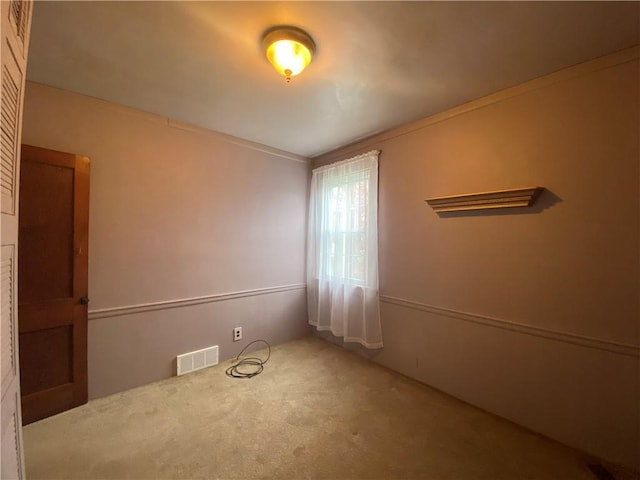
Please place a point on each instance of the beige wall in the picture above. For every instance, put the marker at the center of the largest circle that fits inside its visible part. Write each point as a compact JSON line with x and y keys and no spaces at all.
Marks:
{"x":177,"y":213}
{"x":534,"y":313}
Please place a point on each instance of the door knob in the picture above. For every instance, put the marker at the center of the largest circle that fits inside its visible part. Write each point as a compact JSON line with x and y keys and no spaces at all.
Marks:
{"x":84,"y":300}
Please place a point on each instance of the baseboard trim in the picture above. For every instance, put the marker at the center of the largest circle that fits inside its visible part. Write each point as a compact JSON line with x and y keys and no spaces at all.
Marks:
{"x":590,"y":342}
{"x":187,"y":302}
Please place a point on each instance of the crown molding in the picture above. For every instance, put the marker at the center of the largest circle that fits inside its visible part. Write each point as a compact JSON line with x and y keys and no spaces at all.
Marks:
{"x":375,"y":140}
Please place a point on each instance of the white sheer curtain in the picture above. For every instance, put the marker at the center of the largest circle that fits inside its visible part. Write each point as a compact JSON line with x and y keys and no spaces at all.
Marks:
{"x":342,"y":250}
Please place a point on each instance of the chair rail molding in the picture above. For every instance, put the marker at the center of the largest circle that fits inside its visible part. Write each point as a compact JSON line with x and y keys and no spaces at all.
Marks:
{"x":581,"y":340}
{"x":187,"y":302}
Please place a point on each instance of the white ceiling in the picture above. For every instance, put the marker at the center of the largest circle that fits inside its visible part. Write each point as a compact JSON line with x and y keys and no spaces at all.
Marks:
{"x":378,"y":64}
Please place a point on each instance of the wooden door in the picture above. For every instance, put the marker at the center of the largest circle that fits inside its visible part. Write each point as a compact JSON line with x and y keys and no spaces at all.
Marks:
{"x":52,"y":281}
{"x":15,"y":26}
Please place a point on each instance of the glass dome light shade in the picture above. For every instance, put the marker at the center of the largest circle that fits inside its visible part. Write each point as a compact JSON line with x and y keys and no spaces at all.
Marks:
{"x":289,"y":50}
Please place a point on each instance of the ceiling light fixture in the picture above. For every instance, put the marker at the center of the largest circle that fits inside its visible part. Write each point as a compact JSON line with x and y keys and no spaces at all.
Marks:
{"x":289,"y":49}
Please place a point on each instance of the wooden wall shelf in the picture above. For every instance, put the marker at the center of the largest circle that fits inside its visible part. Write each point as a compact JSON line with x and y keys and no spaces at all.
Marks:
{"x":519,"y":197}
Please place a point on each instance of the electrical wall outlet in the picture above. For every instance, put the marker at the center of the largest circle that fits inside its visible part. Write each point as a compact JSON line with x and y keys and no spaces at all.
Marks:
{"x":237,"y":334}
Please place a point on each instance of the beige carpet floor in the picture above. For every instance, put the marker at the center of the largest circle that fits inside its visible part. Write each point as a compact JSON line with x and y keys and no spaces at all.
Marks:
{"x":316,"y":412}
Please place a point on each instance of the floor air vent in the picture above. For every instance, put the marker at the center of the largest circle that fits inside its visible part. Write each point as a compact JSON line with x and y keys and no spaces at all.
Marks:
{"x":192,"y":361}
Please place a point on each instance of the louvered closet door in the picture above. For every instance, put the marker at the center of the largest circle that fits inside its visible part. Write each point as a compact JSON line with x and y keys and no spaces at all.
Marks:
{"x":12,"y":83}
{"x":14,"y":34}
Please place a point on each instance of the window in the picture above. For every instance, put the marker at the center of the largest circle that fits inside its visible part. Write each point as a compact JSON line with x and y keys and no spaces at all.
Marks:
{"x":345,"y":233}
{"x":342,"y":253}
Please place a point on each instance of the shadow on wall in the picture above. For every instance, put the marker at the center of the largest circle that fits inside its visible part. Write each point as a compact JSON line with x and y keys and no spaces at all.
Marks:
{"x":547,"y":199}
